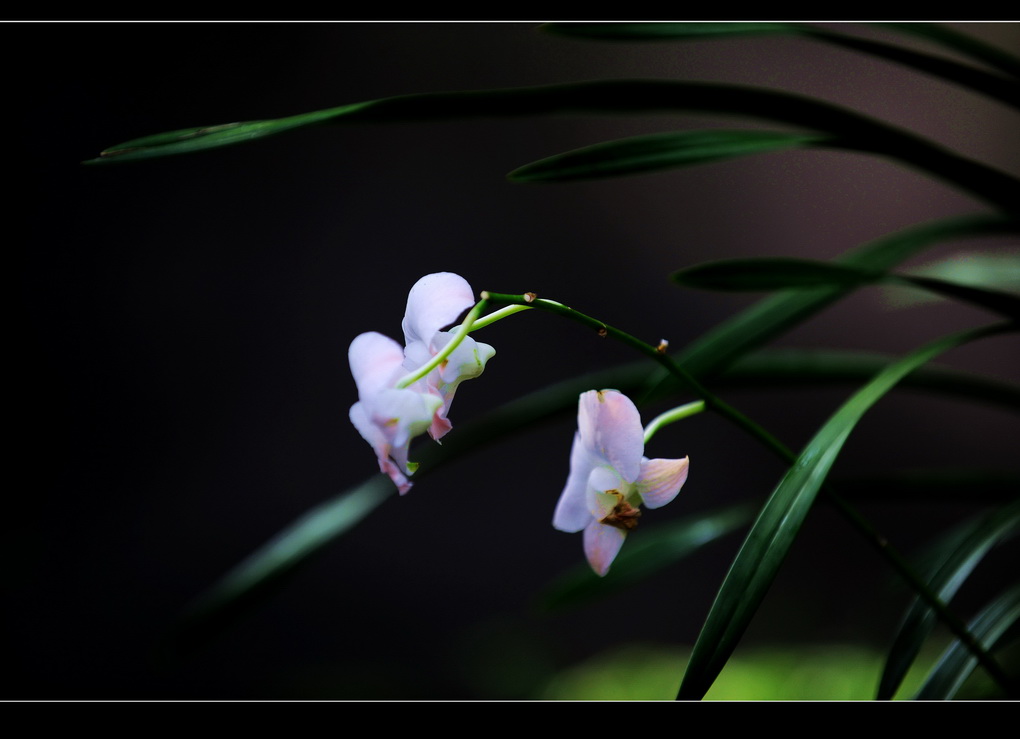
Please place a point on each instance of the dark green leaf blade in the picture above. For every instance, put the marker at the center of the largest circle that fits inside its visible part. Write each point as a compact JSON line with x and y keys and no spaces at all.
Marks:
{"x":771,"y":273}
{"x":619,"y":96}
{"x":956,"y":558}
{"x":715,"y":350}
{"x":277,"y":558}
{"x":961,"y":43}
{"x":783,"y":273}
{"x":957,"y":662}
{"x":641,"y":154}
{"x":778,"y":524}
{"x":806,"y":367}
{"x":993,"y":85}
{"x":644,"y":555}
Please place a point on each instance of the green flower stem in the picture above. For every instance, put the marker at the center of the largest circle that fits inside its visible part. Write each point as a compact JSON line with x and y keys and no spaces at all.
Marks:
{"x":672,"y":416}
{"x":458,"y":336}
{"x":498,"y":315}
{"x":603,"y":329}
{"x":885,"y":549}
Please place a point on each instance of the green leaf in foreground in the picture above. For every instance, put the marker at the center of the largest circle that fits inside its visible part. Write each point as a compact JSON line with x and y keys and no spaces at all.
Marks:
{"x":957,"y":662}
{"x":279,"y":556}
{"x":779,"y":522}
{"x":956,"y":558}
{"x":644,"y":555}
{"x":653,"y":152}
{"x":786,"y":273}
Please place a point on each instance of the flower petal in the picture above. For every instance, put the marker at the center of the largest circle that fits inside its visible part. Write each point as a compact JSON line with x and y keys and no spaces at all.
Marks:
{"x":601,"y":545}
{"x":661,"y":480}
{"x":467,"y":360}
{"x":572,"y":513}
{"x":435,"y":301}
{"x":375,"y":363}
{"x":403,"y":414}
{"x":610,"y":424}
{"x":377,"y":439}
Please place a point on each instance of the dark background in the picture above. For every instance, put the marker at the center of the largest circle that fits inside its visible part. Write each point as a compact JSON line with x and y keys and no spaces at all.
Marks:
{"x":180,"y":332}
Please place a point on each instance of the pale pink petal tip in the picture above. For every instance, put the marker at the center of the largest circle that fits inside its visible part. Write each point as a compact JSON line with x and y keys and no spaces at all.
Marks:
{"x":601,"y":545}
{"x":661,"y":480}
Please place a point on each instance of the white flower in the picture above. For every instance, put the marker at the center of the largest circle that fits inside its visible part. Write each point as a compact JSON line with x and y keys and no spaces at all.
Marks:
{"x":610,"y":477}
{"x":388,"y":417}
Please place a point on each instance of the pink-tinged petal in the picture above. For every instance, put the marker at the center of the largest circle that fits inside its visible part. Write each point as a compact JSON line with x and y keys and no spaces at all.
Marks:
{"x":611,"y":424}
{"x":572,"y":513}
{"x":441,"y":425}
{"x":376,"y":363}
{"x":601,"y":545}
{"x":435,"y":301}
{"x":377,"y":439}
{"x":466,"y":362}
{"x":661,"y":480}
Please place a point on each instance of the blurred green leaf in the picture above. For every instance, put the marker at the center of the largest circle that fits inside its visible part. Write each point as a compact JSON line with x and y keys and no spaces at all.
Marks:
{"x":956,"y":557}
{"x":654,"y":152}
{"x":991,"y":270}
{"x":961,"y":43}
{"x":779,"y":522}
{"x":855,"y":131}
{"x":786,"y":273}
{"x":645,"y":554}
{"x":717,"y":349}
{"x":957,"y":662}
{"x":240,"y":587}
{"x":979,"y":80}
{"x":802,"y":368}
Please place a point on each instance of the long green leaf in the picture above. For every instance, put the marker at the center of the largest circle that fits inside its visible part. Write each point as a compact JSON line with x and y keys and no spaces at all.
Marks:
{"x":244,"y":584}
{"x":957,"y":662}
{"x":767,"y":319}
{"x":641,"y":154}
{"x":961,"y":43}
{"x":1004,"y":90}
{"x":645,"y":555}
{"x":802,"y":368}
{"x":612,"y":96}
{"x":779,"y":522}
{"x":785,"y":273}
{"x":957,"y":556}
